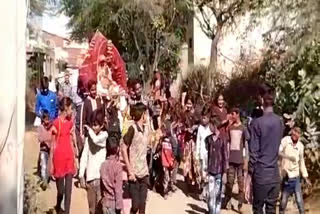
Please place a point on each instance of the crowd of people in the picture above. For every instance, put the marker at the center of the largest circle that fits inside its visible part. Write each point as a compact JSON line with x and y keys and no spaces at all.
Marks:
{"x":121,"y":147}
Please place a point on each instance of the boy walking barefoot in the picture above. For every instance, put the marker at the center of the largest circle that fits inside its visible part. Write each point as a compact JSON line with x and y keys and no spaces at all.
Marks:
{"x":111,"y":176}
{"x":293,"y":166}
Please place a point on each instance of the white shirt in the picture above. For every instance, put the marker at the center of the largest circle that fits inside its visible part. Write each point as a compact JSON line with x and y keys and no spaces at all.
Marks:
{"x":52,"y":86}
{"x":293,"y":168}
{"x":75,"y":97}
{"x":203,"y":133}
{"x":93,"y":155}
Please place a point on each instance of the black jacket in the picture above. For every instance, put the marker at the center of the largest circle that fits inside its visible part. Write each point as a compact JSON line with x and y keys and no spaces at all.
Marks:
{"x":266,"y":135}
{"x":217,"y":154}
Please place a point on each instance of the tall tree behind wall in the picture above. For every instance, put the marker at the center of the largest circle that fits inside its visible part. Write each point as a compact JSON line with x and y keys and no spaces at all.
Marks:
{"x":294,"y":25}
{"x":148,"y":33}
{"x":215,"y":18}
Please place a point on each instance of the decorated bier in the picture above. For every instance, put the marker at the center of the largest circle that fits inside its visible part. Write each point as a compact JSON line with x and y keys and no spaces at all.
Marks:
{"x":104,"y":64}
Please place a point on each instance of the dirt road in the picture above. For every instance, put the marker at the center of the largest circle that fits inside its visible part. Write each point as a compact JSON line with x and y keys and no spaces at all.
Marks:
{"x":178,"y":203}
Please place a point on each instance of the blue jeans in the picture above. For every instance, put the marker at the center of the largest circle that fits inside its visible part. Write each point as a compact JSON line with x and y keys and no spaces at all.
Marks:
{"x":204,"y":177}
{"x":215,"y":187}
{"x":44,"y":157}
{"x":291,"y":186}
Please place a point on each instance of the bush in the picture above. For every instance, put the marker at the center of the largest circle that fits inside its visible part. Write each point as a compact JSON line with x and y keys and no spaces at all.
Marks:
{"x":298,"y":92}
{"x":197,"y":83}
{"x":243,"y":86}
{"x":297,"y":82}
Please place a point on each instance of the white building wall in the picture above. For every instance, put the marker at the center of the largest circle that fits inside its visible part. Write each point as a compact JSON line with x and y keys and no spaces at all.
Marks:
{"x":12,"y":107}
{"x":183,"y":67}
{"x":238,"y":44}
{"x":73,"y":44}
{"x":184,"y":58}
{"x":201,"y":43}
{"x":232,"y":43}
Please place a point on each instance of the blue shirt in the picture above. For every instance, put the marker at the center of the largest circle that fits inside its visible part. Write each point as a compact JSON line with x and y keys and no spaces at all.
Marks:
{"x":47,"y":102}
{"x":266,"y":135}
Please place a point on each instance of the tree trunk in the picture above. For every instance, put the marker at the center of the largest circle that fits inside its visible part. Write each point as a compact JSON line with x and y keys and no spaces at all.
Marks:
{"x":155,"y":60}
{"x":214,"y":55}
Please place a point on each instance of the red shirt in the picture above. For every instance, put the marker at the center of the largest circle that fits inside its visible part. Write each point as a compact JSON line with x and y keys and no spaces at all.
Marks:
{"x":167,"y":156}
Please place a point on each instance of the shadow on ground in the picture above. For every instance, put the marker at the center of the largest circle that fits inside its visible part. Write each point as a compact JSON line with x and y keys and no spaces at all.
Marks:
{"x":195,"y":209}
{"x":192,"y":212}
{"x":189,"y":191}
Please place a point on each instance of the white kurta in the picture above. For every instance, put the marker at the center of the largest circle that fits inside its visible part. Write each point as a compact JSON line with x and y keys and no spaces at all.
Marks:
{"x":93,"y":156}
{"x":201,"y":151}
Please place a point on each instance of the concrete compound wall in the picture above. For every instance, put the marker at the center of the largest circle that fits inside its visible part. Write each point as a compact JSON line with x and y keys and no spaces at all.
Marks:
{"x":13,"y":16}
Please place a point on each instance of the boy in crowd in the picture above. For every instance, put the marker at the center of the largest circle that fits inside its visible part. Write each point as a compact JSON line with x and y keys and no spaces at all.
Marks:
{"x":292,"y":153}
{"x":168,"y":151}
{"x":45,"y":139}
{"x":136,"y":96}
{"x":111,"y":176}
{"x":217,"y":166}
{"x":238,"y":135}
{"x":201,"y":152}
{"x":93,"y":155}
{"x":135,"y":141}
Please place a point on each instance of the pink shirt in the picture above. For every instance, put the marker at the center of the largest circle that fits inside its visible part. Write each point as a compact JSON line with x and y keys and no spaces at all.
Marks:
{"x":44,"y":136}
{"x":111,"y":175}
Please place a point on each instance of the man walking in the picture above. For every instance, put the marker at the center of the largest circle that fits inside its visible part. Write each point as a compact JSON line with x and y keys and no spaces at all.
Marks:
{"x":65,"y":89}
{"x":264,"y":145}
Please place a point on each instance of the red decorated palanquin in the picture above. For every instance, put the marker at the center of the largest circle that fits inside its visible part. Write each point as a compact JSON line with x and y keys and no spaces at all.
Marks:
{"x":100,"y":45}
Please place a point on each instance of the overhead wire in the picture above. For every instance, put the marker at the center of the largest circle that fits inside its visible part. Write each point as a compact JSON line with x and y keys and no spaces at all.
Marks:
{"x":4,"y":143}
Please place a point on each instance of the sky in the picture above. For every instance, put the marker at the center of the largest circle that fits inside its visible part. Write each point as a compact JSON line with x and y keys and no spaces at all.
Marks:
{"x":56,"y":24}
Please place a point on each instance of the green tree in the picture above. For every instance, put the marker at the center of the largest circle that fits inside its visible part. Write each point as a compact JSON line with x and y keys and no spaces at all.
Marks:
{"x":293,"y":22}
{"x":147,"y":33}
{"x":293,"y":25}
{"x":291,"y":64}
{"x":298,"y":92}
{"x":215,"y":18}
{"x":296,"y":79}
{"x":38,"y":7}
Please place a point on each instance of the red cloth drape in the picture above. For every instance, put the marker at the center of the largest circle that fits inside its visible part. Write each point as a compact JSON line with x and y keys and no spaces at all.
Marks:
{"x":101,"y":45}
